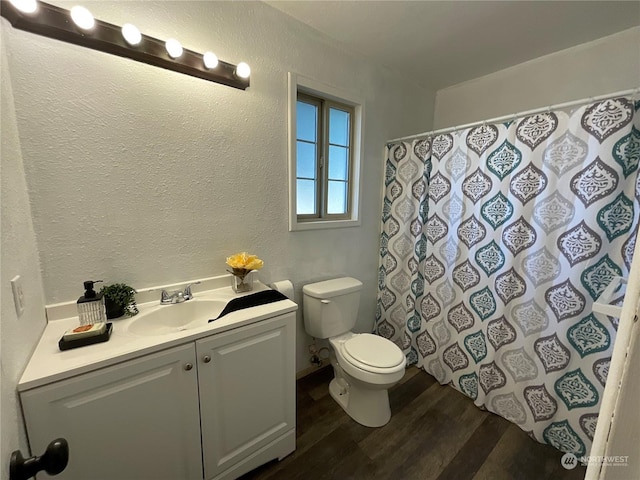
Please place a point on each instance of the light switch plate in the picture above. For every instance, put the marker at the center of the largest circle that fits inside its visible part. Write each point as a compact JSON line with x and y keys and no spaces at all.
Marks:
{"x":18,"y":294}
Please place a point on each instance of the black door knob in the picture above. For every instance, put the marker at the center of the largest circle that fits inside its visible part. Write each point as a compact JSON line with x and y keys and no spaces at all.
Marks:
{"x":53,"y":461}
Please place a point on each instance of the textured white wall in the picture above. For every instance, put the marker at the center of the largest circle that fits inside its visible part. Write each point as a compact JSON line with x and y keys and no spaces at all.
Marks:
{"x":146,"y":176}
{"x":607,"y":65}
{"x":18,"y":256}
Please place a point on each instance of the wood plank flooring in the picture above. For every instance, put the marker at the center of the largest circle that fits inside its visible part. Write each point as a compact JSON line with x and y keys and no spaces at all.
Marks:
{"x":435,"y":433}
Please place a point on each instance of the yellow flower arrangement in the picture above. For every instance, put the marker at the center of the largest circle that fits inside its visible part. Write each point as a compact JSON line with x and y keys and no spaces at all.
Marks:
{"x":242,"y":264}
{"x":244,"y":261}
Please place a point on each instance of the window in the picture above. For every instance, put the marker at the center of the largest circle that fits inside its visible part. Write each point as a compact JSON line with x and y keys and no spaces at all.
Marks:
{"x":324,"y":156}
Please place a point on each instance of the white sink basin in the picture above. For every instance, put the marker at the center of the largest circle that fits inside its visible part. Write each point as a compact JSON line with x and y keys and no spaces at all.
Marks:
{"x":166,"y":319}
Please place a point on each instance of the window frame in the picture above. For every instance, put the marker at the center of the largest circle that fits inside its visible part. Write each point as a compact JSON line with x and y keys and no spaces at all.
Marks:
{"x":323,"y":145}
{"x":341,"y":100}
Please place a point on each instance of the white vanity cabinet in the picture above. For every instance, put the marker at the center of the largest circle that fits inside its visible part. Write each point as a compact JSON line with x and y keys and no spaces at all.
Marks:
{"x":213,"y":408}
{"x":138,"y":419}
{"x":247,"y":394}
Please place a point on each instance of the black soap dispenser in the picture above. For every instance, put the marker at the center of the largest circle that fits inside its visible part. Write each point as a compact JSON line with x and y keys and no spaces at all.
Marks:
{"x":91,"y":307}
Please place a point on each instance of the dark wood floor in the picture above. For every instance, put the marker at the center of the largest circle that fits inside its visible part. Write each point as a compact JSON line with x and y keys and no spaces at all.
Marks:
{"x":435,"y":432}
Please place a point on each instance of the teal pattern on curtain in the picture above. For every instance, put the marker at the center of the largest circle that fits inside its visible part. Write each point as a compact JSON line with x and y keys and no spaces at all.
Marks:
{"x":496,"y":240}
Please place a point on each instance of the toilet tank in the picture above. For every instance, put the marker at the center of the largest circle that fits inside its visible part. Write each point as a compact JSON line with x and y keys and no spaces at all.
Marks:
{"x":331,"y":307}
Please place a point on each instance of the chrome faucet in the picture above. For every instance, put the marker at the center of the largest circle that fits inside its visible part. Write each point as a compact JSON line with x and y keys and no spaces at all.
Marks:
{"x":177,"y":296}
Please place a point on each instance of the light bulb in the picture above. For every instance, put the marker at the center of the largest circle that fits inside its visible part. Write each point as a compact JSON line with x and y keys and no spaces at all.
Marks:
{"x":82,"y":18}
{"x":174,"y":49}
{"x":25,"y":6}
{"x":210,"y":60}
{"x":243,"y":70}
{"x":131,"y":34}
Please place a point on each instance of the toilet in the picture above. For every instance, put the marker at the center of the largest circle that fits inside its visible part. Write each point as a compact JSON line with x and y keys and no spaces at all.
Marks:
{"x":365,"y":366}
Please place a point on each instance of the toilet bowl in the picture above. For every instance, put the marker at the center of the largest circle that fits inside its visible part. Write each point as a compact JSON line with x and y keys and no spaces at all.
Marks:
{"x":365,"y":365}
{"x":368,"y":366}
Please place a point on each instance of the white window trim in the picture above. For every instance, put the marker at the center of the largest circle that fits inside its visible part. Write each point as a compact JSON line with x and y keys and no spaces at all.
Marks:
{"x":320,"y":89}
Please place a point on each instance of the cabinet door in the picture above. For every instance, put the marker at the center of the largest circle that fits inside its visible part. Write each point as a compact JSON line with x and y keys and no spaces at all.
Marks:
{"x":247,"y":390}
{"x":136,"y":420}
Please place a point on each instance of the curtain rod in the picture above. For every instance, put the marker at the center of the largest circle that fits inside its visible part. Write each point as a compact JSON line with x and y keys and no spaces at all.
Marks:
{"x":513,"y":116}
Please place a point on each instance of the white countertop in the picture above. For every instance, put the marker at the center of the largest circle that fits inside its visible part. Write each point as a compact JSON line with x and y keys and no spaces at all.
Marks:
{"x":48,"y":364}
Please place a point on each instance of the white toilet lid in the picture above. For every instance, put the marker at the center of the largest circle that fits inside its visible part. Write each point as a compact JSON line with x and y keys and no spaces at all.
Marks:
{"x":373,"y":350}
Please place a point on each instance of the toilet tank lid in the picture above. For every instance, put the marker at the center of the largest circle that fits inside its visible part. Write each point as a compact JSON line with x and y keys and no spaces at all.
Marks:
{"x":332,"y":288}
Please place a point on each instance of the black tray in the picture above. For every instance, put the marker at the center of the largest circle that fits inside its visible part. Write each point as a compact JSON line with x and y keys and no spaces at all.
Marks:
{"x":81,"y":342}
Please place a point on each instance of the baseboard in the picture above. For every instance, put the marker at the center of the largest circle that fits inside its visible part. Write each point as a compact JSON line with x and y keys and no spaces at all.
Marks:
{"x":311,"y":369}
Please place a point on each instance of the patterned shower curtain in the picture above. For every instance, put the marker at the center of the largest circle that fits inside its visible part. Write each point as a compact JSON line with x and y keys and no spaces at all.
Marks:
{"x":496,"y":241}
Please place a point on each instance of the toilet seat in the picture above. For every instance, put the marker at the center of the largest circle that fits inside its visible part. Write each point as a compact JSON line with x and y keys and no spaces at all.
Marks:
{"x":373,"y":350}
{"x":372,"y":353}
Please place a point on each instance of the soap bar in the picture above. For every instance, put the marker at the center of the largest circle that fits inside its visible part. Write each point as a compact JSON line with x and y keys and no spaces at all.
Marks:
{"x":83,"y":331}
{"x":76,"y":342}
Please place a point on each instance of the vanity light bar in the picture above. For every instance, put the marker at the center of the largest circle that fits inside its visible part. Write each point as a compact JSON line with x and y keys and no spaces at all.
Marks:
{"x":55,"y":22}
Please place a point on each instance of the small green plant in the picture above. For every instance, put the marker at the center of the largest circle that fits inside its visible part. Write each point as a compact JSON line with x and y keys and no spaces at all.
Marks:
{"x":120,"y":300}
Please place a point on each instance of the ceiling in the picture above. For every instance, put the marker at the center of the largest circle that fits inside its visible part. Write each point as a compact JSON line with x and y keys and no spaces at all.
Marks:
{"x":443,"y":43}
